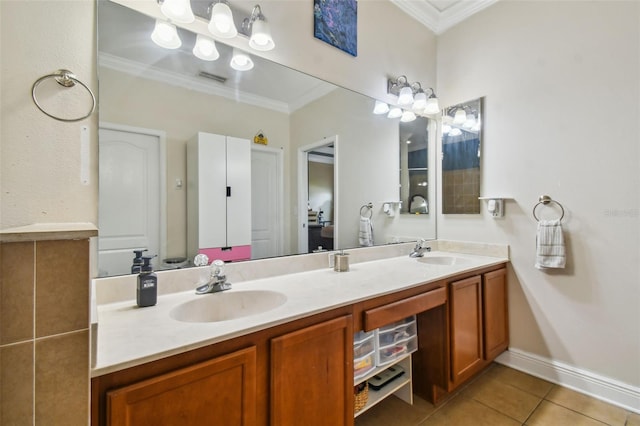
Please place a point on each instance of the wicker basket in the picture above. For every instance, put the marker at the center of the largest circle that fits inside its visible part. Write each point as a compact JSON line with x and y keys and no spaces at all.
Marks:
{"x":361,"y":395}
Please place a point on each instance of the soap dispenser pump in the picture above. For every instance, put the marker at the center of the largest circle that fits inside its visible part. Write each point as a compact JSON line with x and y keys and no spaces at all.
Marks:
{"x":147,"y":289}
{"x":137,"y":261}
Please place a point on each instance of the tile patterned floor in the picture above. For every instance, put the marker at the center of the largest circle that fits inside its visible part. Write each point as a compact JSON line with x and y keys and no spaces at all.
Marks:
{"x":502,"y":396}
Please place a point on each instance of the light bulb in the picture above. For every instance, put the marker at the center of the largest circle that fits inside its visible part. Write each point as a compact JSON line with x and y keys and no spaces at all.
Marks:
{"x":406,"y":96}
{"x":419,"y":101}
{"x":166,"y":35}
{"x":446,"y":129}
{"x":205,"y":48}
{"x":380,"y":108}
{"x":178,"y":11}
{"x":407,"y":116}
{"x":221,"y":23}
{"x":394,"y":112}
{"x":455,"y":132}
{"x":261,"y":36}
{"x":241,"y":61}
{"x":460,"y":117}
{"x":432,"y":106}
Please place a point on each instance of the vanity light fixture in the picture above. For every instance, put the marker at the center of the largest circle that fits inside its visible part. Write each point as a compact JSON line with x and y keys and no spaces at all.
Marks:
{"x":241,"y":61}
{"x":165,"y":35}
{"x":177,"y":10}
{"x":460,"y":116}
{"x":221,"y":23}
{"x":205,"y":48}
{"x":257,"y":29}
{"x":412,"y":94}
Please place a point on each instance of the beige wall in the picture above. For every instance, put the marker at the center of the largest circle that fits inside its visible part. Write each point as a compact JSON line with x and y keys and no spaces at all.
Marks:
{"x":562,"y":89}
{"x":131,"y":101}
{"x":40,"y":157}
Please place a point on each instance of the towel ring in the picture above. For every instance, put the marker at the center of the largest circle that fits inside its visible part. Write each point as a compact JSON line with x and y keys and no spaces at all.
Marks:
{"x":64,"y":78}
{"x":545,"y":199}
{"x":368,"y":207}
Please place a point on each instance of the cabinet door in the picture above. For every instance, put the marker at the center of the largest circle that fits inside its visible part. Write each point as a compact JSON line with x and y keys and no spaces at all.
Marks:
{"x":312,"y":375}
{"x":466,"y":328}
{"x":220,"y":391}
{"x":239,"y":199}
{"x":496,"y":320}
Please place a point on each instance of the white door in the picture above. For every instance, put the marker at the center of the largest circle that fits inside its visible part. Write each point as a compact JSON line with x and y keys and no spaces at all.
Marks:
{"x":129,"y":201}
{"x":266,"y":202}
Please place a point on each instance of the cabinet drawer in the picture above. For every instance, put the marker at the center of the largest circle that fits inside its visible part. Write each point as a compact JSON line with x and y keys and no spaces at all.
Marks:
{"x":386,"y":314}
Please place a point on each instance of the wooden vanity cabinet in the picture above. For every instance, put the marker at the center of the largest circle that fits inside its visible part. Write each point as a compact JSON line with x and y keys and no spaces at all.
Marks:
{"x":219,"y":391}
{"x":312,"y":375}
{"x":460,"y":339}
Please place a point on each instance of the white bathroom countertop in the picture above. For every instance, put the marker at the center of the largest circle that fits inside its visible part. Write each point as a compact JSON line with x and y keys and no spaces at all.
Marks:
{"x":127,"y":336}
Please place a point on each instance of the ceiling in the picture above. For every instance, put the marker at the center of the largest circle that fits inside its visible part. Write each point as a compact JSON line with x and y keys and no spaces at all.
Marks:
{"x":440,"y":15}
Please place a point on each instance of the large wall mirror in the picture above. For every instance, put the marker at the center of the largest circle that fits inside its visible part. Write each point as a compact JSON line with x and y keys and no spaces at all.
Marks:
{"x":461,"y":143}
{"x":153,"y":100}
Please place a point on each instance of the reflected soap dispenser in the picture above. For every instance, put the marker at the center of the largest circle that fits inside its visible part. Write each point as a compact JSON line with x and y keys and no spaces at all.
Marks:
{"x":147,"y":289}
{"x":137,"y":261}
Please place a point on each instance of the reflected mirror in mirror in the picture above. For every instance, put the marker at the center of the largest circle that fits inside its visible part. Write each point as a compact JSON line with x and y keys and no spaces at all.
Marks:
{"x":414,"y":171}
{"x":461,"y":142}
{"x":153,"y":100}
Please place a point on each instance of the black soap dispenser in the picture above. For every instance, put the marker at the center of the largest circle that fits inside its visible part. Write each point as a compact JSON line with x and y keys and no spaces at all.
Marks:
{"x":147,"y":290}
{"x":137,"y":261}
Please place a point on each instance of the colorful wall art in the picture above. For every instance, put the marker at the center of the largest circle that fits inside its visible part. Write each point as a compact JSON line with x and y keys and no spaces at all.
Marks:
{"x":336,"y":22}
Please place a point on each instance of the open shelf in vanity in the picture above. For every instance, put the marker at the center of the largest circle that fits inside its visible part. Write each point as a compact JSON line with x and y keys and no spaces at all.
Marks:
{"x":391,"y":348}
{"x":400,"y":386}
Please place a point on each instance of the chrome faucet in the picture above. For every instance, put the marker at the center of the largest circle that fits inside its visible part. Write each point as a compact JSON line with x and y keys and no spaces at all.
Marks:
{"x":217,"y":280}
{"x":419,"y":249}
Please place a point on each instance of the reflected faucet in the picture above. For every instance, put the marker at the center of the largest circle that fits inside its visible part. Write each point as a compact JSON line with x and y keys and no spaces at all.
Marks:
{"x":419,"y":249}
{"x":217,"y":280}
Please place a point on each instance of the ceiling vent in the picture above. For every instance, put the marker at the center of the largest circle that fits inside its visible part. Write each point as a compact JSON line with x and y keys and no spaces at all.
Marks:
{"x":214,"y":77}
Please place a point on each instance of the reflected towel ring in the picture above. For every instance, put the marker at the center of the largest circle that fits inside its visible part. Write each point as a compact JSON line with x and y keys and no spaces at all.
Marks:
{"x":368,"y":207}
{"x":64,"y":78}
{"x":545,"y":199}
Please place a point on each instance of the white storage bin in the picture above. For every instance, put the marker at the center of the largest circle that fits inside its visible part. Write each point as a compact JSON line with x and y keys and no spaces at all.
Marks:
{"x":395,"y":340}
{"x":363,"y":343}
{"x":364,"y":365}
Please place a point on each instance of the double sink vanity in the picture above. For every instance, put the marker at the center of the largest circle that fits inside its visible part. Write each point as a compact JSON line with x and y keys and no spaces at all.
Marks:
{"x":278,"y":348}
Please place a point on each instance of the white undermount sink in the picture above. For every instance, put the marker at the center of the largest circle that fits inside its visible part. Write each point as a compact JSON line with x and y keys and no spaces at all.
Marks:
{"x":443,"y":260}
{"x":227,"y":305}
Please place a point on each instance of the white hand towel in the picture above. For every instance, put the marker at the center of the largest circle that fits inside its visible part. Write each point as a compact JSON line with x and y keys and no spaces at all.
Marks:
{"x":365,"y":232}
{"x":550,"y":249}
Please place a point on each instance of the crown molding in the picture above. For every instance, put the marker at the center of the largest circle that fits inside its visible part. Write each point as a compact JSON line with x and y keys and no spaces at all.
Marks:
{"x":440,"y":21}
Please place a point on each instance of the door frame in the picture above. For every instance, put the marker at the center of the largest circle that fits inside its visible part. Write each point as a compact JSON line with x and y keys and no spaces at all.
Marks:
{"x":162,"y":139}
{"x":280,"y":195}
{"x":303,"y":192}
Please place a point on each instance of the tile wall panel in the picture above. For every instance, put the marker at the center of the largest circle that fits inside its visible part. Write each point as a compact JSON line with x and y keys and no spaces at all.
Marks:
{"x":16,"y":291}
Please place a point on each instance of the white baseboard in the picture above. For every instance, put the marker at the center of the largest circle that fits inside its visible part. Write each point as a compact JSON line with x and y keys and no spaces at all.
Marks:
{"x":600,"y":387}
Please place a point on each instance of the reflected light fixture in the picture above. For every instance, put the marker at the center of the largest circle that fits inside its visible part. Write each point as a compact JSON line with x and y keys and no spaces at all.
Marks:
{"x":165,"y":35}
{"x":205,"y":48}
{"x":460,"y":117}
{"x":257,"y":29}
{"x":241,"y":61}
{"x":380,"y":108}
{"x":394,"y":112}
{"x":407,"y":116}
{"x":177,"y":10}
{"x":221,"y":23}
